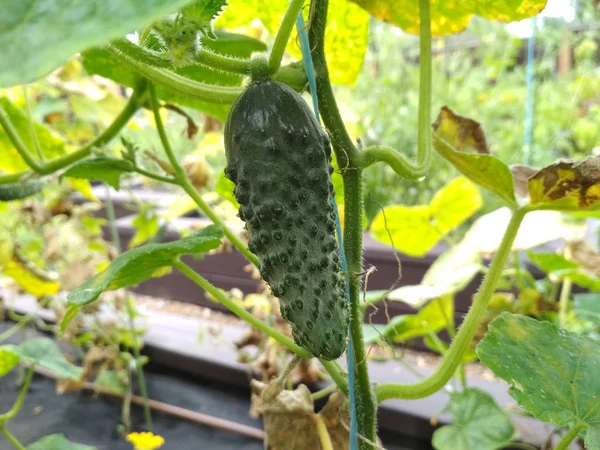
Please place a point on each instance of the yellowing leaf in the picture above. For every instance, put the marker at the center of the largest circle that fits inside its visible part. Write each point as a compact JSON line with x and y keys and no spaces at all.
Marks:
{"x":567,"y":186}
{"x":346,"y":35}
{"x":31,"y":282}
{"x":8,"y":360}
{"x":179,"y":207}
{"x":415,"y":230}
{"x":10,"y":160}
{"x":450,"y":16}
{"x":146,"y":225}
{"x":84,"y":188}
{"x":462,"y":133}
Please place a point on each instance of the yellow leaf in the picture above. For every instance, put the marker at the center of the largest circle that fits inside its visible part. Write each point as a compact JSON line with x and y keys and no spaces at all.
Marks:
{"x":455,"y":203}
{"x":29,"y":281}
{"x":84,"y":187}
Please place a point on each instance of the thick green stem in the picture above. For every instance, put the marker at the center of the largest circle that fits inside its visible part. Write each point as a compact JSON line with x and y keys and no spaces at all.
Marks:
{"x":134,"y":103}
{"x":455,"y":353}
{"x":345,"y":150}
{"x":183,"y":181}
{"x":571,"y":435}
{"x":240,"y":311}
{"x":193,"y":89}
{"x":6,"y":417}
{"x":10,"y":438}
{"x":392,"y":157}
{"x":16,"y":141}
{"x":283,"y":35}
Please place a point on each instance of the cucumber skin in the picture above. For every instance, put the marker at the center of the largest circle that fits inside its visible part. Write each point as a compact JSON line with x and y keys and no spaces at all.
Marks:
{"x":280,"y":161}
{"x":18,"y":191}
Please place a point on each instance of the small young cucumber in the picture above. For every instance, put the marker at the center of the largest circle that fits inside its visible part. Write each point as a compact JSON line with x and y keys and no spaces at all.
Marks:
{"x":280,"y":161}
{"x":18,"y":191}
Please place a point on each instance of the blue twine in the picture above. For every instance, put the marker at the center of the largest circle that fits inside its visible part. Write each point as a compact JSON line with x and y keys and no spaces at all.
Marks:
{"x":310,"y":75}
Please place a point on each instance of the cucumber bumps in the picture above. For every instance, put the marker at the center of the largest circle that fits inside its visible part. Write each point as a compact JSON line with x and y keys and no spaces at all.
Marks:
{"x":280,"y":161}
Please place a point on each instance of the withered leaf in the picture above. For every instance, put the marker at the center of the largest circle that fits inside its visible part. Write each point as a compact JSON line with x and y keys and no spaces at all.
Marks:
{"x":567,"y":185}
{"x":521,"y":174}
{"x":462,"y":133}
{"x":289,"y":419}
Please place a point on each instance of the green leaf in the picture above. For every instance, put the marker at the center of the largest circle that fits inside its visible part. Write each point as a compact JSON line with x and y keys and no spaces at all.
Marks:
{"x":450,"y":16}
{"x":104,"y":169}
{"x":205,"y":9}
{"x":478,"y":423}
{"x":551,"y":262}
{"x":8,"y":360}
{"x":415,"y":230}
{"x":567,"y":186}
{"x":98,"y":61}
{"x":347,"y":28}
{"x":36,"y":37}
{"x":57,"y":442}
{"x":146,"y":226}
{"x":453,"y":133}
{"x":109,"y":379}
{"x":587,"y":306}
{"x":45,"y":353}
{"x":51,"y":145}
{"x":581,"y":278}
{"x":225,"y":189}
{"x":553,"y":373}
{"x":139,"y":264}
{"x":434,"y":317}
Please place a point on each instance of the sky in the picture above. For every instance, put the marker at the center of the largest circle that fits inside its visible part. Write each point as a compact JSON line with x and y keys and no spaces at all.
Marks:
{"x":554,"y":8}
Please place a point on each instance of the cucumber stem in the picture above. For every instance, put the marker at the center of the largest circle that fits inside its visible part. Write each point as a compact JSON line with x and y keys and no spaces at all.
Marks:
{"x":460,"y":344}
{"x":283,"y":35}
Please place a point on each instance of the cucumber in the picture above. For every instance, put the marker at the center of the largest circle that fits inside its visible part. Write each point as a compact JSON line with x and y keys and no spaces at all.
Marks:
{"x":279,"y":159}
{"x":18,"y":191}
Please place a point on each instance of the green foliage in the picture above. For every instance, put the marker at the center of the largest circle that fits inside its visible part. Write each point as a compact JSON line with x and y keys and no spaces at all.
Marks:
{"x":8,"y":360}
{"x":104,"y":169}
{"x":478,"y":423}
{"x":10,"y":160}
{"x":146,"y":226}
{"x":57,"y":442}
{"x":558,"y":385}
{"x":450,"y":16}
{"x":38,"y":37}
{"x":415,"y":230}
{"x":44,"y":352}
{"x":139,"y":264}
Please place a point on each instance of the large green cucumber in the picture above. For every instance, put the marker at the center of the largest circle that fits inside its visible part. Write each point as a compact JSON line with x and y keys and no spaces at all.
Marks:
{"x":18,"y":191}
{"x":280,"y":161}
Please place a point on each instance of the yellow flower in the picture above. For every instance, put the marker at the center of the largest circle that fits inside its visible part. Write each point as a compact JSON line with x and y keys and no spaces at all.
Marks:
{"x":145,"y":441}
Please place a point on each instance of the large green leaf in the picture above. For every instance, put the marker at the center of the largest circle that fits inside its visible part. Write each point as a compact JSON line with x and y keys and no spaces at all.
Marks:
{"x":57,"y":442}
{"x":99,"y":61}
{"x":587,"y":306}
{"x":434,"y":317}
{"x":553,"y":373}
{"x":139,"y":264}
{"x":415,"y":230}
{"x":450,"y":16}
{"x":346,"y":36}
{"x":10,"y":160}
{"x":45,"y":352}
{"x":478,"y":423}
{"x":104,"y":169}
{"x":38,"y":36}
{"x":567,"y":186}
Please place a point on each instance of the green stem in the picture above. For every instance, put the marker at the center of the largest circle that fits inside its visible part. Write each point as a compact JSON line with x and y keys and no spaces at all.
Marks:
{"x":283,"y":35}
{"x":16,"y":141}
{"x":32,"y":132}
{"x":401,"y":165}
{"x":345,"y":150}
{"x":10,"y":438}
{"x":196,"y":90}
{"x":6,"y":417}
{"x":240,"y":311}
{"x":455,"y":353}
{"x":290,"y":75}
{"x":571,"y":435}
{"x":565,"y":293}
{"x":134,"y":103}
{"x":155,"y":176}
{"x":324,"y":392}
{"x":183,"y":181}
{"x":22,"y":322}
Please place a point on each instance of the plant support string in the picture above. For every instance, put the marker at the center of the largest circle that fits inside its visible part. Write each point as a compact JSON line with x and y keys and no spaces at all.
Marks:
{"x":310,"y":74}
